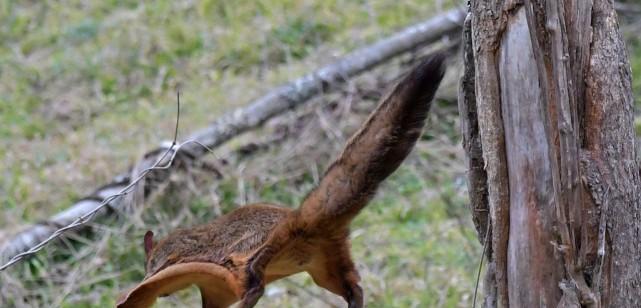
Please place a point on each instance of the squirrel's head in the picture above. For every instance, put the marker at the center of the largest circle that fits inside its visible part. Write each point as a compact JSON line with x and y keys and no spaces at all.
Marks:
{"x":167,"y":272}
{"x":159,"y":255}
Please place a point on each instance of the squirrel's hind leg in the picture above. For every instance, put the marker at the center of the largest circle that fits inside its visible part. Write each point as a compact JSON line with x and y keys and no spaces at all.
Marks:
{"x":254,"y":272}
{"x":337,"y":273}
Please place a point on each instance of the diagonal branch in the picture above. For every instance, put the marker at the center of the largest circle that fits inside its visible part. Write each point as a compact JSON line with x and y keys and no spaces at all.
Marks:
{"x":284,"y":98}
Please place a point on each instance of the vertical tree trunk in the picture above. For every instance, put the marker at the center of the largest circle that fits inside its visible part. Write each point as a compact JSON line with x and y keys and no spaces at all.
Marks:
{"x":546,"y":113}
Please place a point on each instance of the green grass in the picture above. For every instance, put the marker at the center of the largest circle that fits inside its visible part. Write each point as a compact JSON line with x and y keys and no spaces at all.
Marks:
{"x":95,"y":81}
{"x":634,"y":48}
{"x":635,"y":63}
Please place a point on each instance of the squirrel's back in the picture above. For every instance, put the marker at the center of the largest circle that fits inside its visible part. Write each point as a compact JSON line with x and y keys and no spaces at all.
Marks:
{"x":239,"y":231}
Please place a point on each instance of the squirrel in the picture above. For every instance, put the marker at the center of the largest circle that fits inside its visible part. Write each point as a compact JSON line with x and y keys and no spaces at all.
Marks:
{"x":232,"y":258}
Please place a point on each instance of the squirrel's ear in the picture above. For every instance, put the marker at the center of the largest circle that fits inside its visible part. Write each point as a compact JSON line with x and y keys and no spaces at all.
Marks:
{"x":149,"y":243}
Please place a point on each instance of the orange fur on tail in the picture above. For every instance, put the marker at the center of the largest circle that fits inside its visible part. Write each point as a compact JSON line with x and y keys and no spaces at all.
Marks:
{"x":235,"y":256}
{"x":377,"y":149}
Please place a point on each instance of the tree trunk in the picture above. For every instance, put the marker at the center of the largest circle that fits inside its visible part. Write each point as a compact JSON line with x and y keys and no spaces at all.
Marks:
{"x":546,"y":114}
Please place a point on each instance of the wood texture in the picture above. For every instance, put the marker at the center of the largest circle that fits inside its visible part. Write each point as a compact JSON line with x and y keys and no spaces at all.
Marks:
{"x":531,"y":262}
{"x":610,"y":144}
{"x":572,"y":175}
{"x":477,"y":177}
{"x":488,"y":22}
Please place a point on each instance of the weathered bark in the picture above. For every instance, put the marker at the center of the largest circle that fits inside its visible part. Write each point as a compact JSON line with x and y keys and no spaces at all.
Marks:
{"x":554,"y":108}
{"x":471,"y":136}
{"x":289,"y":96}
{"x":487,"y":23}
{"x":610,"y":146}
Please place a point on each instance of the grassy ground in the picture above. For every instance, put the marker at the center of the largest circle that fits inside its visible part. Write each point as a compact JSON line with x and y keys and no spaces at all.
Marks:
{"x":86,"y":88}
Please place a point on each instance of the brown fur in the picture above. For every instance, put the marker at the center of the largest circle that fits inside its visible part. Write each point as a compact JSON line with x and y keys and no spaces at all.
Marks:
{"x":233,"y":257}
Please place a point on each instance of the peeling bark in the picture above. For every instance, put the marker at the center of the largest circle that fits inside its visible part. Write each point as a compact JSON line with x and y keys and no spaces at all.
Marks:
{"x":555,"y":80}
{"x":477,"y":176}
{"x":488,"y":22}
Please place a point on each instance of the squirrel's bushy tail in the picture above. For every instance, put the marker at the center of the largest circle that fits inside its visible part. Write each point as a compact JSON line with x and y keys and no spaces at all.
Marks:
{"x":377,"y":149}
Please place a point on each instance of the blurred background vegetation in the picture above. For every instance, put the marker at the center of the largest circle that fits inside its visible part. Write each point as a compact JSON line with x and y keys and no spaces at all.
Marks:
{"x":87,"y":87}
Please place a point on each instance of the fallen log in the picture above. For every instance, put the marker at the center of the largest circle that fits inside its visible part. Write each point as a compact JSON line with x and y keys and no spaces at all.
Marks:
{"x":281,"y":99}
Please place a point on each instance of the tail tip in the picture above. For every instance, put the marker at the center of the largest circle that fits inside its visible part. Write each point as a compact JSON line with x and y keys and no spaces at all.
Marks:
{"x":432,"y":68}
{"x":424,"y":79}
